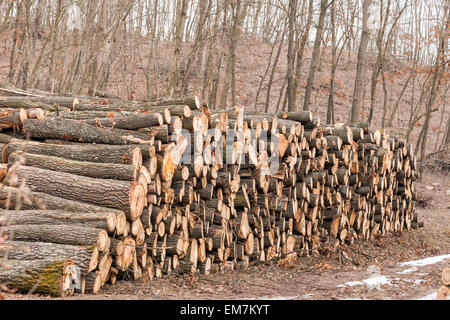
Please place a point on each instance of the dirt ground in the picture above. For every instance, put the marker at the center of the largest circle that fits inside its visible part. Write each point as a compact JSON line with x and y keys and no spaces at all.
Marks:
{"x":399,"y":266}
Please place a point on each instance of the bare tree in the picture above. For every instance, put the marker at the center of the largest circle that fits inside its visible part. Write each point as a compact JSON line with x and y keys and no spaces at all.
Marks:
{"x":441,"y":61}
{"x":315,"y":55}
{"x":361,"y":63}
{"x":179,"y":32}
{"x":302,"y":45}
{"x":238,"y":11}
{"x":292,"y":13}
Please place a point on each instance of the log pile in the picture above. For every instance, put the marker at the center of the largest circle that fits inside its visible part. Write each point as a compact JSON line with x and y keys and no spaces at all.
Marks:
{"x":444,"y":290}
{"x":105,"y":192}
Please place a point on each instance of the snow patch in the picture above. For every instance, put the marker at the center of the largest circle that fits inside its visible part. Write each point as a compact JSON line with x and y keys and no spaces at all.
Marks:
{"x":377,"y":281}
{"x":426,"y":261}
{"x":408,"y":270}
{"x":431,"y":296}
{"x":372,"y":281}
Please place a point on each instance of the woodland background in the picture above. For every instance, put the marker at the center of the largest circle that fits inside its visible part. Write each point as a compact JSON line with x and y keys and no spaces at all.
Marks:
{"x":383,"y":61}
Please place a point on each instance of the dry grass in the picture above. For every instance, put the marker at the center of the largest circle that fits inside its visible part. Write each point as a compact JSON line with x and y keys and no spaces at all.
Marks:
{"x":433,"y":192}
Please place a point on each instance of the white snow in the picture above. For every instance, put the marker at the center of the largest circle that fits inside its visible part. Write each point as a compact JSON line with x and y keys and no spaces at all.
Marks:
{"x":426,"y":261}
{"x":406,"y":271}
{"x":375,"y":280}
{"x":431,"y":296}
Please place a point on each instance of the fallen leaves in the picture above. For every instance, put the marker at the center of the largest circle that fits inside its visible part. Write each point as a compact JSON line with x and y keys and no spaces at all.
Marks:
{"x":323,"y":266}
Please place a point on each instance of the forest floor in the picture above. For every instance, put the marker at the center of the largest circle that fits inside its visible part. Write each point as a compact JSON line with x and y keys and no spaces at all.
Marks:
{"x":398,"y":266}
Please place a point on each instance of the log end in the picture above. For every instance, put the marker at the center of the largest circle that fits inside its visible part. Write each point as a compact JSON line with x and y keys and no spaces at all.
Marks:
{"x":103,"y":242}
{"x":22,"y":116}
{"x":136,"y":155}
{"x":137,"y":200}
{"x":187,"y":111}
{"x":5,"y":154}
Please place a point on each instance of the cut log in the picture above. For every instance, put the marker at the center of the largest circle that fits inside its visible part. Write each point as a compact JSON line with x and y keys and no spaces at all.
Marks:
{"x":23,"y":198}
{"x":129,"y":122}
{"x":98,"y":220}
{"x":443,"y":293}
{"x":126,"y":196}
{"x":60,"y":234}
{"x":47,"y":276}
{"x":81,"y":132}
{"x":116,"y":171}
{"x":84,"y":257}
{"x":446,"y":276}
{"x":12,"y":118}
{"x":35,"y":113}
{"x":128,"y":154}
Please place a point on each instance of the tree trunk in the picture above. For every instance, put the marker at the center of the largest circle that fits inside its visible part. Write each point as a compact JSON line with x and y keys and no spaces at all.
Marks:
{"x":24,"y":199}
{"x":315,"y":56}
{"x":46,"y":276}
{"x":303,"y":42}
{"x":99,"y":220}
{"x":131,"y":122}
{"x":179,"y":32}
{"x":81,"y":132}
{"x":115,"y":171}
{"x":360,"y":67}
{"x":126,"y":196}
{"x":60,"y":234}
{"x":98,"y":153}
{"x":330,"y":111}
{"x":12,"y":118}
{"x":291,"y":54}
{"x":83,"y":256}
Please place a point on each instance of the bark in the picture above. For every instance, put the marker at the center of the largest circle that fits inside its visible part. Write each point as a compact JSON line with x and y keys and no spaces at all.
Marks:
{"x":38,"y":251}
{"x":303,"y":42}
{"x":291,"y":54}
{"x":437,"y":78}
{"x":59,"y":234}
{"x":360,"y":67}
{"x":124,"y":172}
{"x":12,"y":118}
{"x":239,"y":11}
{"x":120,"y":154}
{"x":99,"y":220}
{"x":25,"y":199}
{"x":81,"y":132}
{"x":315,"y":56}
{"x":49,"y":103}
{"x":179,"y":32}
{"x":330,"y":111}
{"x":378,"y":63}
{"x":46,"y":276}
{"x":126,"y":196}
{"x":86,"y":115}
{"x":131,"y":122}
{"x":272,"y":74}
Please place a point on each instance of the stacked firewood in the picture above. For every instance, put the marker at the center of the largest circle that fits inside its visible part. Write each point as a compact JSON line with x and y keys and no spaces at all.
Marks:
{"x":444,"y":290}
{"x":100,"y":191}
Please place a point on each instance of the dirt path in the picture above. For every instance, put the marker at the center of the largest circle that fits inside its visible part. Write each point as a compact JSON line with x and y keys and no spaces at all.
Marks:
{"x":419,"y":280}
